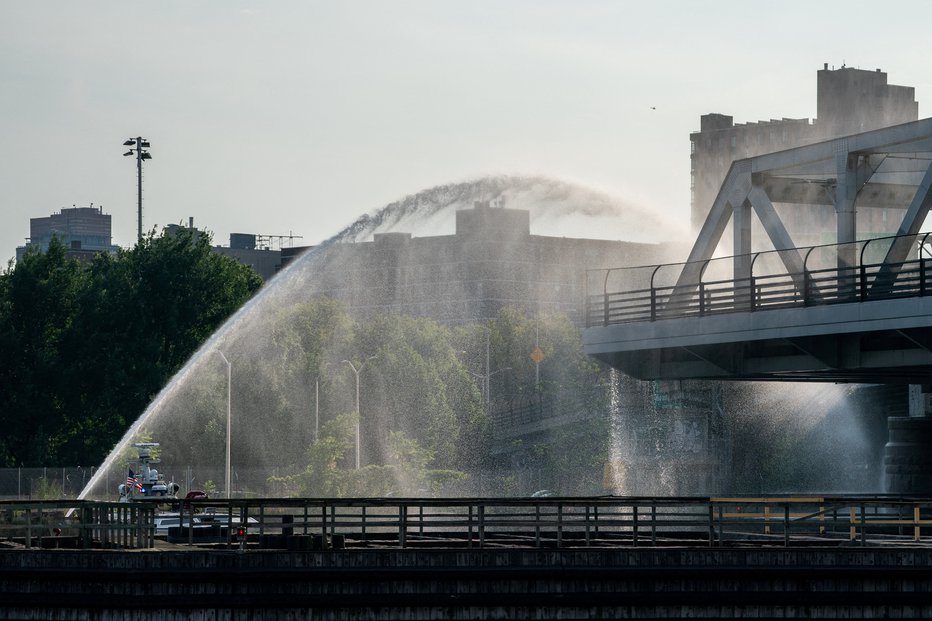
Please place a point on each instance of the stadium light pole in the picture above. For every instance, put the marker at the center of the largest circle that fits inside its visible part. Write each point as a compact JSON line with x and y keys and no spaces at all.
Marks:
{"x":138,"y":147}
{"x":357,"y":372}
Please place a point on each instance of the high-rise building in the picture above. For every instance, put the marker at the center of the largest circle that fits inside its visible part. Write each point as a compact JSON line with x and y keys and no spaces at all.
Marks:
{"x":84,"y":231}
{"x":849,"y":101}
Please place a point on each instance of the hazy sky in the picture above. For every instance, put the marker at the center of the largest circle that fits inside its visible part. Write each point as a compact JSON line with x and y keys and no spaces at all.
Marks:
{"x":275,"y":117}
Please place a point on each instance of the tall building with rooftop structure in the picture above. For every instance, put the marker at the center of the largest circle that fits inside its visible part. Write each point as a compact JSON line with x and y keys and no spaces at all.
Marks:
{"x":849,"y":101}
{"x":257,"y":251}
{"x":84,"y":231}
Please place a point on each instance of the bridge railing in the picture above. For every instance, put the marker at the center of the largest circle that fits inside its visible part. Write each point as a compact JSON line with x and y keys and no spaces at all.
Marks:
{"x":77,"y":524}
{"x":606,"y":521}
{"x":874,"y":269}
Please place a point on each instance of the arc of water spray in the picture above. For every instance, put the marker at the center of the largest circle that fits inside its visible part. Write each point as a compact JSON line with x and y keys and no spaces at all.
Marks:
{"x":246,"y":312}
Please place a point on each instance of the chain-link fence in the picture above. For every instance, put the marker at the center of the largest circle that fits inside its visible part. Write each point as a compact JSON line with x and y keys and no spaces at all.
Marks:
{"x":516,"y":479}
{"x":57,"y":483}
{"x":44,"y":483}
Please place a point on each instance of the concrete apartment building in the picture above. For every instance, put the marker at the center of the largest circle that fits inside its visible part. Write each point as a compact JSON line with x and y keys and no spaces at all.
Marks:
{"x":490,"y":262}
{"x":84,"y":231}
{"x":849,"y":101}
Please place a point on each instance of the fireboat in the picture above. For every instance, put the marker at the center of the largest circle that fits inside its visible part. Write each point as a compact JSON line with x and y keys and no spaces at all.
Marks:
{"x":146,"y":482}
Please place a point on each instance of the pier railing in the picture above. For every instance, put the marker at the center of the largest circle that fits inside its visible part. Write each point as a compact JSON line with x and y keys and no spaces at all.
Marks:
{"x":830,"y":274}
{"x":77,"y":524}
{"x":308,"y":523}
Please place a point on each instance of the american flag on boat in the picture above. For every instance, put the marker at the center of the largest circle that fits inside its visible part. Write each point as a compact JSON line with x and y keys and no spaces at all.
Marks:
{"x":132,"y":480}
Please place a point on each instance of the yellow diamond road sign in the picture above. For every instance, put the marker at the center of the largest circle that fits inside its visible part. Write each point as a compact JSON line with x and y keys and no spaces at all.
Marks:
{"x":537,"y":355}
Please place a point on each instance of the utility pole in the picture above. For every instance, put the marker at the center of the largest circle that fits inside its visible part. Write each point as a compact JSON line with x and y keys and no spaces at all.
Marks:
{"x":138,"y":144}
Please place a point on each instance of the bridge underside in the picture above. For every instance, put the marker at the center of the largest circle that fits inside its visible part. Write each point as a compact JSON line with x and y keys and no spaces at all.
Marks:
{"x":869,"y":342}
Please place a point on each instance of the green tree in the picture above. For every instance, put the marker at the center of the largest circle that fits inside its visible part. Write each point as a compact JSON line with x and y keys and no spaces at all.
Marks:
{"x":150,"y":309}
{"x":84,"y":349}
{"x":565,"y":386}
{"x":418,"y":385}
{"x":323,"y":475}
{"x":39,"y":303}
{"x":328,"y":472}
{"x":411,"y":466}
{"x":310,"y":340}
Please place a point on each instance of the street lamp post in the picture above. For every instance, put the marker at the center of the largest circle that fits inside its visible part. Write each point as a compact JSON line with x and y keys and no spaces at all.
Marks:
{"x":226,"y":481}
{"x":138,"y":144}
{"x":320,"y":369}
{"x":487,"y":376}
{"x":357,"y":372}
{"x":316,"y":406}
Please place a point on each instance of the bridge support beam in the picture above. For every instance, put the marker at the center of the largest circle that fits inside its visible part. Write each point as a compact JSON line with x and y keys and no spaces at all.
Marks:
{"x":779,"y":236}
{"x":877,"y":168}
{"x":851,"y":173}
{"x":734,"y":192}
{"x":912,"y":220}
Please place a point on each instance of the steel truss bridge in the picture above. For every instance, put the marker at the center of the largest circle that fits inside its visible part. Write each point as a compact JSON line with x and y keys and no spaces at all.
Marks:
{"x":857,"y":310}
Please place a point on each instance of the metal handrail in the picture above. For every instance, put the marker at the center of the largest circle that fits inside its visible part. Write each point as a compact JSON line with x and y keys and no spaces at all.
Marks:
{"x":77,"y":524}
{"x":820,"y":286}
{"x":606,"y":521}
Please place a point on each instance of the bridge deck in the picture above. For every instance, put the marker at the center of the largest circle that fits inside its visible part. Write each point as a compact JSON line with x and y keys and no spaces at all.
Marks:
{"x":871,"y":322}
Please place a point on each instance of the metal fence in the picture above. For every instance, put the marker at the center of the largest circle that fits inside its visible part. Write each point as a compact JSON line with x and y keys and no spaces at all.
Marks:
{"x":44,"y":483}
{"x":77,"y":524}
{"x":830,"y":274}
{"x":308,"y":523}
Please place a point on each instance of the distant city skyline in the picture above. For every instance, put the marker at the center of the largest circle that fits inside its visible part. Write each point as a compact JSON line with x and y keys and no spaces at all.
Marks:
{"x":298,"y":117}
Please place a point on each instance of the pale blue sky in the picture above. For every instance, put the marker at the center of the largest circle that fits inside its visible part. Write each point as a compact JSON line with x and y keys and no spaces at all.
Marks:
{"x":270,"y":117}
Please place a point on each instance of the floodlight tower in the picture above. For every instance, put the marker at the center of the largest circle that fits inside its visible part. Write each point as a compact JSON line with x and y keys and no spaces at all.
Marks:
{"x":139,"y":145}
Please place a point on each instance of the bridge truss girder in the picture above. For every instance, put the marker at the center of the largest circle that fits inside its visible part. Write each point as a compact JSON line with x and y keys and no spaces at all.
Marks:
{"x":887,"y":168}
{"x":855,"y":324}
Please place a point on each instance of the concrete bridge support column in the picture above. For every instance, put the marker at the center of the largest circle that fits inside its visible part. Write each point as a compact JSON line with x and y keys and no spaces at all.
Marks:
{"x":907,"y":461}
{"x":920,"y":400}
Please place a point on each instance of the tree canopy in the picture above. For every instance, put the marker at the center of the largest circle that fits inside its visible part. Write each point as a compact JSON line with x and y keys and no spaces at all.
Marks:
{"x":423,"y":417}
{"x":84,"y":348}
